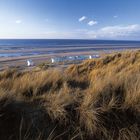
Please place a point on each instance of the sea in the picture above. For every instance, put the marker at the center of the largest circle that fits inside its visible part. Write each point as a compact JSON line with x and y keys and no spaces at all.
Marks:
{"x":20,"y":47}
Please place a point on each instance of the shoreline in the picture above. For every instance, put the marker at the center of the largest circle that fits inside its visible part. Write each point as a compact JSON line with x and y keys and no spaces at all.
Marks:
{"x":41,"y":58}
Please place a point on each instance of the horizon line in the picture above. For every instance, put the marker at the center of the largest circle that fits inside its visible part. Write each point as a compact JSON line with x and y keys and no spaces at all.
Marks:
{"x":67,"y":39}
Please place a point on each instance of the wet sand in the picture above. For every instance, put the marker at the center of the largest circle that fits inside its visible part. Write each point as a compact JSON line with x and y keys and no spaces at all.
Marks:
{"x":55,"y":52}
{"x":37,"y":59}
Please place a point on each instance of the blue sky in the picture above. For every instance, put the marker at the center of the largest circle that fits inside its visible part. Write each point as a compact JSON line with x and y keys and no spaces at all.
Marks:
{"x":75,"y":19}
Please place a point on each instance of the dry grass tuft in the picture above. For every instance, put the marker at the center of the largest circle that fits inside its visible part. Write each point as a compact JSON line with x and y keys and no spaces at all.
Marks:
{"x":97,"y":99}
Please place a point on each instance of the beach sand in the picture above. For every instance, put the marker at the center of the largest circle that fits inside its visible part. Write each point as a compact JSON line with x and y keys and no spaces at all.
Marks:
{"x":46,"y":57}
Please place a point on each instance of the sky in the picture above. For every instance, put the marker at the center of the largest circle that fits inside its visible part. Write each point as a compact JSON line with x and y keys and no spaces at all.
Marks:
{"x":70,"y":19}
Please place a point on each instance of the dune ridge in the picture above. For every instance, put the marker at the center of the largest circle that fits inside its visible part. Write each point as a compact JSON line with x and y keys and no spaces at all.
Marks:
{"x":97,"y":99}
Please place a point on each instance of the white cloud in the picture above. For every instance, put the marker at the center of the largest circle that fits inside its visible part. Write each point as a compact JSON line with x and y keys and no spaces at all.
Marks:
{"x":116,"y":32}
{"x":92,"y":22}
{"x":18,"y":21}
{"x":82,"y":18}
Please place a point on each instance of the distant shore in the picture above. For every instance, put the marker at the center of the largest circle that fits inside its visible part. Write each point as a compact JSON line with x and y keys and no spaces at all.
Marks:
{"x":46,"y":57}
{"x":16,"y":52}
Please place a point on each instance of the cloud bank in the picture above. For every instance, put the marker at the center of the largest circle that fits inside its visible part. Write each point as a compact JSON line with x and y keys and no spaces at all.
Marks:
{"x":122,"y":32}
{"x":116,"y":32}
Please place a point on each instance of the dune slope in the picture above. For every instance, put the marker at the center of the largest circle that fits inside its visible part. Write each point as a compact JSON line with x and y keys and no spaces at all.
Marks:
{"x":98,"y":99}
